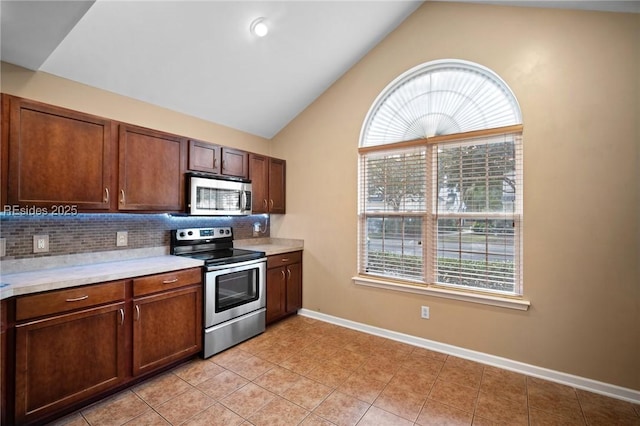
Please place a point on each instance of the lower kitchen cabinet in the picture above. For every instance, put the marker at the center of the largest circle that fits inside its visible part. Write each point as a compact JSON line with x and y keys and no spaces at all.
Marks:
{"x":284,"y":285}
{"x":66,"y":357}
{"x":167,"y":326}
{"x":75,"y":345}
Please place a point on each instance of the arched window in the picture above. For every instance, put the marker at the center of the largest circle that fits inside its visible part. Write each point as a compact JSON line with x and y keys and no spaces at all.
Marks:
{"x":440,"y":181}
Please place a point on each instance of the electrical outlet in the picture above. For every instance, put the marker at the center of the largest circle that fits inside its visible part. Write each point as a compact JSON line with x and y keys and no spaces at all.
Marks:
{"x":3,"y":247}
{"x":256,"y":229}
{"x":122,"y":238}
{"x":40,"y":243}
{"x":424,"y":312}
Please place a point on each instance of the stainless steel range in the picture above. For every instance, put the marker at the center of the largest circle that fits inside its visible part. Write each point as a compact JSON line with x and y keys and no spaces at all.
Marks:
{"x":234,"y":285}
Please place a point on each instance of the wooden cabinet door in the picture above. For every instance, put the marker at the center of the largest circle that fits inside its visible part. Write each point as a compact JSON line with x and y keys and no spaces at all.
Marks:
{"x":152,"y":166}
{"x":58,"y":157}
{"x":204,"y":157}
{"x":167,"y":327}
{"x":259,"y":175}
{"x":294,"y":287}
{"x":66,"y":358}
{"x":276,"y":293}
{"x":277,"y":179}
{"x":234,"y":163}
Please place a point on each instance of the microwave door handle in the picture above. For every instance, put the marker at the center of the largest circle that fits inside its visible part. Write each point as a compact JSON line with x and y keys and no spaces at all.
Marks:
{"x":243,"y":204}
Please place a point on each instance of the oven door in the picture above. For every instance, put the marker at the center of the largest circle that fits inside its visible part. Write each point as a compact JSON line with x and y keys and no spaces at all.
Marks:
{"x":234,"y":290}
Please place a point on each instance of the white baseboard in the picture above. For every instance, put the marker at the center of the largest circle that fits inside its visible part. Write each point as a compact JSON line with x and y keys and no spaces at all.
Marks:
{"x":590,"y":385}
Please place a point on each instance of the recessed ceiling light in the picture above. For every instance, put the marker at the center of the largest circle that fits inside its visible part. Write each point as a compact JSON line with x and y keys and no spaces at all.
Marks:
{"x":259,"y":27}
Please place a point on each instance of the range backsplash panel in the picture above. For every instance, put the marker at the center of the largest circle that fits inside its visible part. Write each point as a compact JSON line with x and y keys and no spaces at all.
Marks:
{"x":87,"y":233}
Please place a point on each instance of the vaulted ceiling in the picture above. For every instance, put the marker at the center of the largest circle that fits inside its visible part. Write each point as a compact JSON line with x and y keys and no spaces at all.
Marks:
{"x":200,"y":58}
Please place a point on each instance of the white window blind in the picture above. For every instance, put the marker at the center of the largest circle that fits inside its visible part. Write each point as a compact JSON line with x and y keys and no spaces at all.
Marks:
{"x":477,"y":222}
{"x":393,"y":194}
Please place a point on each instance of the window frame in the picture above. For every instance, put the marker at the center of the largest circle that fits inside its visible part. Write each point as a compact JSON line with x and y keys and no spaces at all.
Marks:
{"x":428,"y":286}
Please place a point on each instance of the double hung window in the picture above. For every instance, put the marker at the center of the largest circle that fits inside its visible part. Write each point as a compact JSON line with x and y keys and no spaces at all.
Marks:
{"x":440,"y":181}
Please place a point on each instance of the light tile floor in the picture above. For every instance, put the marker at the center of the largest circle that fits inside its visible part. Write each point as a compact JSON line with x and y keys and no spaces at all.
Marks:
{"x":308,"y":372}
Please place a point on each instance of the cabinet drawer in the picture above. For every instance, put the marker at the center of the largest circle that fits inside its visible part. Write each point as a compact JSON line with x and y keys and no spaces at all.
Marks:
{"x":284,"y":259}
{"x":166,"y":281}
{"x":59,"y":301}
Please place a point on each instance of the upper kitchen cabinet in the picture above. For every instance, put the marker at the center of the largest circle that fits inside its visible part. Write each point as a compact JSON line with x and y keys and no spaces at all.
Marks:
{"x":56,"y":158}
{"x":210,"y":158}
{"x":151,"y":166}
{"x":267,"y":183}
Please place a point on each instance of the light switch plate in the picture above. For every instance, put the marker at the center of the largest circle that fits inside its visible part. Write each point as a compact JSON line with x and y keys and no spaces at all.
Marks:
{"x":40,"y":243}
{"x":122,"y":238}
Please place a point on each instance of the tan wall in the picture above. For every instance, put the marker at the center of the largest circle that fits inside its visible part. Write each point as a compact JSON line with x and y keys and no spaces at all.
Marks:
{"x":576,"y":76}
{"x":58,"y":91}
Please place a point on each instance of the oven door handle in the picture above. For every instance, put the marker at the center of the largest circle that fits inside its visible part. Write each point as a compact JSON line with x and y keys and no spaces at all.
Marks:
{"x":236,"y":267}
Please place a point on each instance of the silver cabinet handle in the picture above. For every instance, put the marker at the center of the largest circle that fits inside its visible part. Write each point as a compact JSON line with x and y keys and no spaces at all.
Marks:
{"x":122,"y":196}
{"x":121,"y":316}
{"x":215,"y":163}
{"x":77,"y":299}
{"x":265,"y":203}
{"x":271,"y":204}
{"x":106,"y":195}
{"x":175,"y":280}
{"x":283,"y":276}
{"x":137,"y":312}
{"x":285,"y":259}
{"x":288,"y":273}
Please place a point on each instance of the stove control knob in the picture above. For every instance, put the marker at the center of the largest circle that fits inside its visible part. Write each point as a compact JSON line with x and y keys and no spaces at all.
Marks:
{"x":222,"y":231}
{"x":190,"y":233}
{"x":227,"y":232}
{"x":182,"y":234}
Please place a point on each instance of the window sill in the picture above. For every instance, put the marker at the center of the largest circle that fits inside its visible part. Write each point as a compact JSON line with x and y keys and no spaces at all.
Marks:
{"x":503,"y":302}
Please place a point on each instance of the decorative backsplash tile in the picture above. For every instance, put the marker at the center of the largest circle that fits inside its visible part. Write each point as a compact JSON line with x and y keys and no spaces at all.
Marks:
{"x":86,"y":233}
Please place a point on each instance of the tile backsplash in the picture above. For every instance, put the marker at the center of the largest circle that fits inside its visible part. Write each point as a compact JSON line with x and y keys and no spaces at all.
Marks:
{"x":87,"y":233}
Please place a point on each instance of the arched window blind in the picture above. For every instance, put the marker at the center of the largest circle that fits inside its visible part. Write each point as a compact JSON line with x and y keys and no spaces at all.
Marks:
{"x":440,"y":181}
{"x":440,"y":98}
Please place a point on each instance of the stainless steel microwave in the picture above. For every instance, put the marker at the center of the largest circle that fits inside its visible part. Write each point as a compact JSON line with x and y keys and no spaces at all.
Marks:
{"x":210,"y":195}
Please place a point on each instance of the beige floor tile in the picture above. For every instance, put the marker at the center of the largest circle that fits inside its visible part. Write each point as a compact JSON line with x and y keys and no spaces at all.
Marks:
{"x":543,"y":418}
{"x":222,"y":385}
{"x":329,"y":374}
{"x":185,"y":406}
{"x":602,"y":410}
{"x":415,"y":381}
{"x":216,"y":415}
{"x":461,"y":371}
{"x":279,"y":412}
{"x":341,"y":409}
{"x":378,"y":417}
{"x":231,"y":356}
{"x":381,"y":369}
{"x":248,"y":399}
{"x":347,"y":359}
{"x":115,"y":410}
{"x":423,"y":364}
{"x":428,"y":353}
{"x":197,"y":371}
{"x":161,"y":389}
{"x":278,"y":380}
{"x":455,"y":395}
{"x":436,"y":414}
{"x":363,"y":387}
{"x":502,"y":411}
{"x":300,"y":363}
{"x":149,"y":418}
{"x":553,"y":398}
{"x":307,"y":393}
{"x":313,"y":420}
{"x":504,"y":384}
{"x":400,"y":401}
{"x":251,"y":368}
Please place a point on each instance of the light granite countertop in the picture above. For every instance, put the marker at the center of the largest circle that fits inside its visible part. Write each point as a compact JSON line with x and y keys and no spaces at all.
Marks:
{"x":21,"y":283}
{"x":26,"y":276}
{"x":270,"y":246}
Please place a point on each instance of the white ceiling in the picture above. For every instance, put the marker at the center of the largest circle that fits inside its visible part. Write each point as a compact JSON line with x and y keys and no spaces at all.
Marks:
{"x":199,"y":58}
